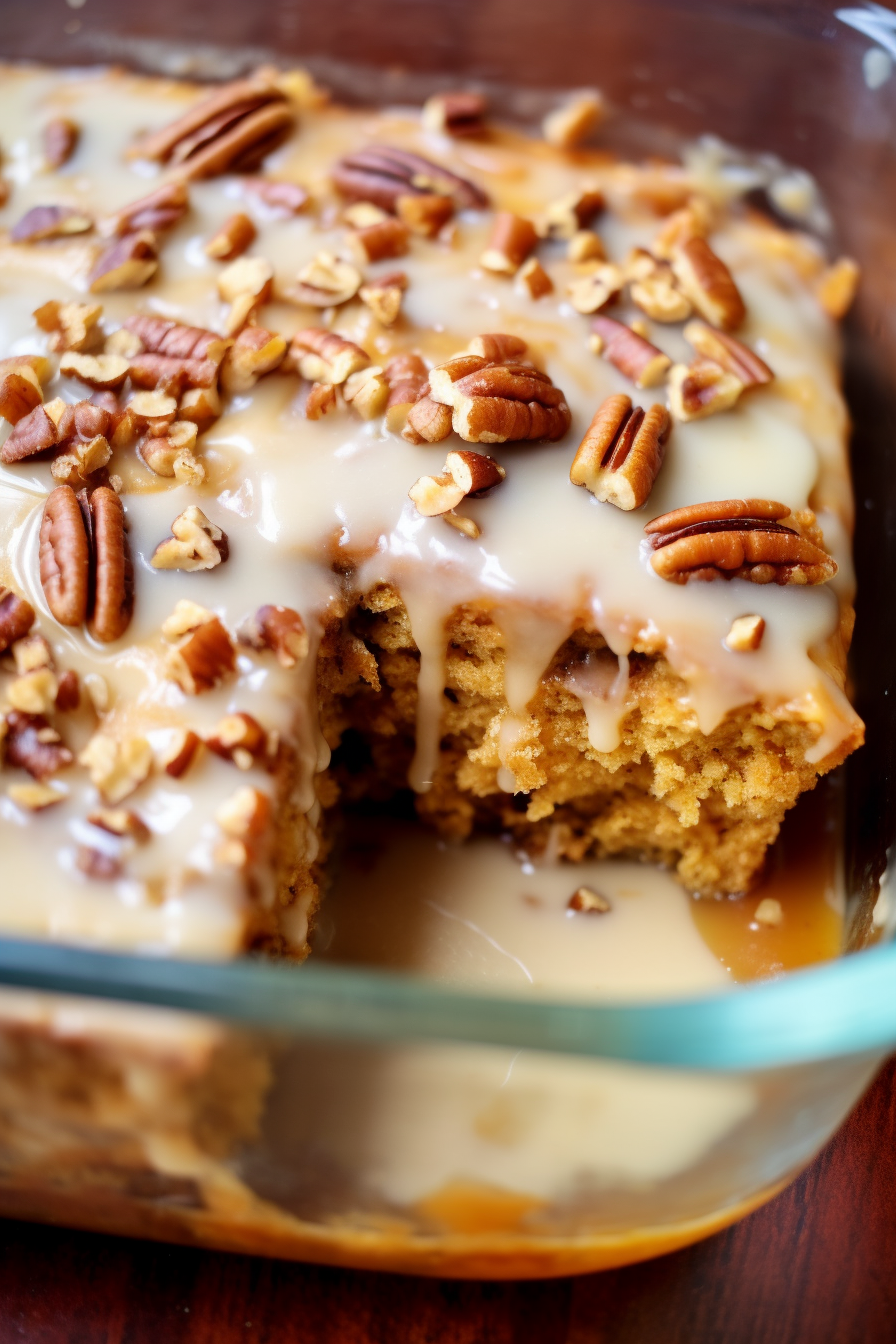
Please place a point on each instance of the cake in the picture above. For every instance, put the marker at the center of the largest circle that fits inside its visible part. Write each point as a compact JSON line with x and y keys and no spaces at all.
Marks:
{"x":350,"y":453}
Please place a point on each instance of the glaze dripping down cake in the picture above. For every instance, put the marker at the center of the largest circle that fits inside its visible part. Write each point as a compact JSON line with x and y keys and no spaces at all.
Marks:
{"x":351,"y":452}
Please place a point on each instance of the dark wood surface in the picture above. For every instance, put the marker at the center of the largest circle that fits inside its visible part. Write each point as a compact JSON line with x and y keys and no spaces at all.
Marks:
{"x":816,"y":1266}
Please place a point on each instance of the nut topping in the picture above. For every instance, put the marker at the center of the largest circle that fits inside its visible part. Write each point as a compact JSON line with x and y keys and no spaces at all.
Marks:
{"x":204,"y":653}
{"x":245,"y":815}
{"x":102,"y":372}
{"x":281,"y":198}
{"x":72,"y":326}
{"x":498,"y":345}
{"x":466,"y":474}
{"x":708,"y":283}
{"x":729,"y":353}
{"x":622,"y":452}
{"x":20,"y":392}
{"x":321,"y":400}
{"x":408,"y":379}
{"x":16,"y":618}
{"x":160,"y":210}
{"x":384,"y":295}
{"x":121,"y":822}
{"x":567,"y":126}
{"x":239,"y":738}
{"x":32,"y":745}
{"x":180,"y":752}
{"x":281,"y":630}
{"x":630,"y":353}
{"x":234,"y":123}
{"x":654,"y":290}
{"x":60,"y":137}
{"x":428,"y":421}
{"x":35,"y":797}
{"x":383,"y":174}
{"x":116,"y":767}
{"x":425,"y":214}
{"x":255,"y":352}
{"x":50,"y":221}
{"x":735,"y":538}
{"x":585,"y":245}
{"x":377,"y":242}
{"x":569,"y":214}
{"x":325,"y":356}
{"x":35,"y":433}
{"x":127,"y":263}
{"x":745,"y":634}
{"x":34,"y":692}
{"x":837,"y":287}
{"x":65,"y":557}
{"x":113,"y":603}
{"x":195,"y":543}
{"x":367,"y":392}
{"x":456,"y":114}
{"x":512,"y":239}
{"x":325,"y":282}
{"x":700,"y":389}
{"x":601,"y":284}
{"x":234,"y":236}
{"x":534,"y":279}
{"x":495,"y":401}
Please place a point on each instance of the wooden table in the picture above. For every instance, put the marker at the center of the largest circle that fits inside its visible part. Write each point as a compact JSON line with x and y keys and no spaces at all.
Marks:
{"x":816,"y":1266}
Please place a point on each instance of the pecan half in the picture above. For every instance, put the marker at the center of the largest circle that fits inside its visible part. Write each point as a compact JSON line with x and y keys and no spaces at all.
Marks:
{"x":497,"y":401}
{"x":50,"y":221}
{"x":195,"y":543}
{"x":65,"y":557}
{"x":16,"y":618}
{"x":465,"y":474}
{"x":630,"y":353}
{"x":234,"y":236}
{"x":382,"y":174}
{"x":160,"y":210}
{"x":20,"y":392}
{"x":378,"y":242}
{"x":120,"y":821}
{"x":204,"y":652}
{"x":456,"y":114}
{"x":622,"y":452}
{"x":281,"y":630}
{"x":567,"y":126}
{"x":585,"y":245}
{"x":735,"y":538}
{"x":511,"y":240}
{"x":729,"y":353}
{"x":60,"y":137}
{"x":32,"y":745}
{"x":219,"y":130}
{"x":325,"y":282}
{"x":239,"y":738}
{"x":325,"y":356}
{"x":113,"y":603}
{"x":700,"y":389}
{"x":709,"y":284}
{"x":128,"y":263}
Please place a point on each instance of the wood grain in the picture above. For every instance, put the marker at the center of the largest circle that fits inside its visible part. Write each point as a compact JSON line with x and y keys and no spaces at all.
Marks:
{"x":814,"y":1267}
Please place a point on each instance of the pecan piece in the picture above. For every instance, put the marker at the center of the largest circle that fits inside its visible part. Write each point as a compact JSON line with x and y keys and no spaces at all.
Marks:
{"x":653,"y":288}
{"x":573,"y":212}
{"x":745,"y":635}
{"x":128,"y":263}
{"x":117,"y":767}
{"x":218,"y":130}
{"x":622,"y":452}
{"x":325,"y":356}
{"x":321,"y":400}
{"x":239,"y":738}
{"x":425,"y":214}
{"x":735,"y":538}
{"x":837,"y":287}
{"x":103,"y":372}
{"x":455,"y":114}
{"x":378,"y":242}
{"x":72,"y":326}
{"x":512,"y":239}
{"x":428,"y":421}
{"x":700,"y":389}
{"x":195,"y":543}
{"x":113,"y":603}
{"x":60,"y":137}
{"x":234,"y":236}
{"x":16,"y":618}
{"x":567,"y":126}
{"x":600,"y":285}
{"x":255,"y":352}
{"x":707,"y":282}
{"x":32,"y":745}
{"x":384,"y":295}
{"x":180,"y":752}
{"x":281,"y":630}
{"x":283,"y":198}
{"x":20,"y":392}
{"x":587,"y":901}
{"x":630,"y":353}
{"x":35,"y":433}
{"x":35,"y":797}
{"x":465,"y":475}
{"x":160,"y":210}
{"x":729,"y":353}
{"x":367,"y":392}
{"x":534,"y":279}
{"x":65,"y":557}
{"x":325,"y":282}
{"x":498,"y":345}
{"x":50,"y":221}
{"x":497,"y":401}
{"x":382,"y":174}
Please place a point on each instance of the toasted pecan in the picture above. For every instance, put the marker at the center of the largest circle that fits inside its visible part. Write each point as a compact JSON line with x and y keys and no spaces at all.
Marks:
{"x":16,"y":618}
{"x":622,"y":452}
{"x":32,"y":745}
{"x":465,"y":475}
{"x":629,"y":352}
{"x":495,"y":401}
{"x":65,"y":557}
{"x":708,"y":283}
{"x":113,"y":601}
{"x":325,"y":356}
{"x":735,"y":538}
{"x":161,"y":209}
{"x":461,"y":113}
{"x":383,"y":173}
{"x":60,"y":138}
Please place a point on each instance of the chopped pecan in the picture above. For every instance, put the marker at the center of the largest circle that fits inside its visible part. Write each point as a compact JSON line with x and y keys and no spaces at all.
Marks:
{"x":456,"y":114}
{"x":653,"y":288}
{"x":68,"y":694}
{"x":512,"y":239}
{"x":534,"y":279}
{"x":622,"y":452}
{"x":201,"y":405}
{"x":72,"y":326}
{"x":584,"y":245}
{"x":408,"y":379}
{"x":425,"y":214}
{"x":82,"y":459}
{"x":32,"y":745}
{"x":97,"y":864}
{"x":325,"y":356}
{"x":34,"y":434}
{"x":34,"y":692}
{"x":120,"y":821}
{"x":600,"y":284}
{"x":729,"y":353}
{"x":234,"y":236}
{"x":745,"y":634}
{"x":573,"y":212}
{"x":255,"y":352}
{"x":195,"y":543}
{"x":127,"y":263}
{"x":180,"y":752}
{"x":102,"y":372}
{"x":284,"y":198}
{"x":65,"y":557}
{"x":60,"y":137}
{"x":700,"y":389}
{"x":382,"y":174}
{"x":160,"y":210}
{"x":16,"y":618}
{"x":693,"y":220}
{"x":281,"y":630}
{"x":247,"y":275}
{"x":325,"y":282}
{"x":31,"y":653}
{"x":567,"y":126}
{"x":630,"y":353}
{"x":204,"y":652}
{"x":321,"y":400}
{"x":377,"y":242}
{"x":20,"y":392}
{"x":161,"y":336}
{"x":35,"y":797}
{"x":496,"y":401}
{"x":428,"y":421}
{"x":50,"y":221}
{"x":587,"y":901}
{"x":735,"y":538}
{"x":239,"y":738}
{"x":163,"y":452}
{"x":465,"y":475}
{"x":245,"y":815}
{"x":229,"y":125}
{"x":367,"y":392}
{"x":117,"y":767}
{"x":384,"y":295}
{"x":837,"y":287}
{"x":707,"y":282}
{"x":113,"y":602}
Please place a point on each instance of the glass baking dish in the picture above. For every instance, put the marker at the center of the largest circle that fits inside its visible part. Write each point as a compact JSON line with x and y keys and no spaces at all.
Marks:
{"x":307,"y":1112}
